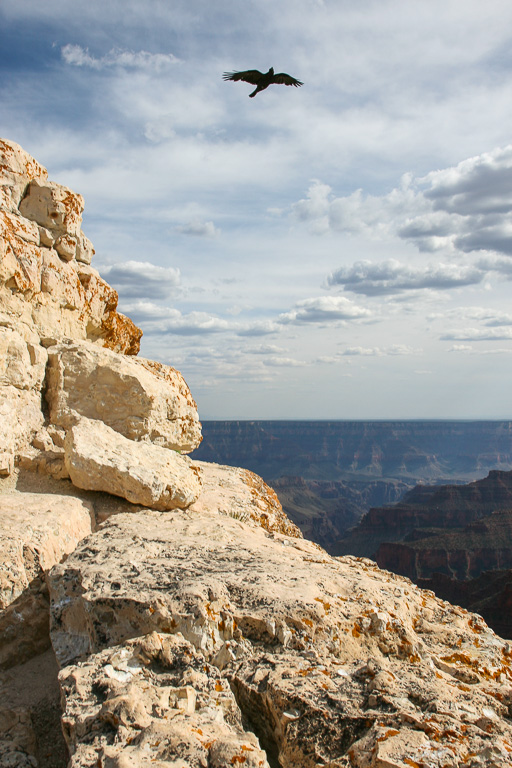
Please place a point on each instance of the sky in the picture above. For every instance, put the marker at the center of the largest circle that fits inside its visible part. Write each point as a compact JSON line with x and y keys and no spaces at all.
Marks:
{"x":341,"y":250}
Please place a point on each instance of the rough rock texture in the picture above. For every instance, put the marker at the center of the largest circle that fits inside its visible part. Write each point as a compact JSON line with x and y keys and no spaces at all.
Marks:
{"x":138,"y":398}
{"x":47,"y":288}
{"x":332,"y":661}
{"x":242,"y":495}
{"x":48,"y":291}
{"x":36,"y":532}
{"x":30,"y":729}
{"x":99,"y":459}
{"x":152,"y":702}
{"x":22,"y":370}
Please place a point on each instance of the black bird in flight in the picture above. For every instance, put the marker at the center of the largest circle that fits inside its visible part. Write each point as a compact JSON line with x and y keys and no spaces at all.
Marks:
{"x":262,"y":80}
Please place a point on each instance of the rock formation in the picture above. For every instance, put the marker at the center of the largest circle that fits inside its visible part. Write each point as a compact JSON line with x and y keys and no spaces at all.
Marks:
{"x":192,"y":624}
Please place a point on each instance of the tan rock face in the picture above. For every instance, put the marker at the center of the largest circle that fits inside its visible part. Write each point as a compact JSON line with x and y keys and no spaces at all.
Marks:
{"x":139,"y":399}
{"x":332,"y":660}
{"x":164,"y":704}
{"x":53,"y":206}
{"x":47,"y":287}
{"x":99,"y":459}
{"x":17,"y":169}
{"x":22,"y":370}
{"x":36,"y":532}
{"x":242,"y":495}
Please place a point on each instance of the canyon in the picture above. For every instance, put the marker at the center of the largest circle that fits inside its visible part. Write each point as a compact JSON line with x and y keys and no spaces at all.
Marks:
{"x":328,"y":474}
{"x":159,"y":608}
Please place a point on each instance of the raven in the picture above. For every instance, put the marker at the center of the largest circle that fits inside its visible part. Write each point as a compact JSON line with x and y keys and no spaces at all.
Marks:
{"x":262,"y":80}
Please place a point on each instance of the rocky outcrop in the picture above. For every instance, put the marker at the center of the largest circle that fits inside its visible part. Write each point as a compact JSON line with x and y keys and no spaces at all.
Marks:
{"x":47,"y":287}
{"x":330,"y":660}
{"x":193,"y":624}
{"x":140,"y":399}
{"x":164,"y":702}
{"x":47,"y":291}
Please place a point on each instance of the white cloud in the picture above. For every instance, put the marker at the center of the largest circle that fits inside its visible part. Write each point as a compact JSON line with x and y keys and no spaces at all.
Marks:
{"x":463,"y":208}
{"x":485,"y":315}
{"x":394,"y":349}
{"x":80,"y":57}
{"x":502,"y":266}
{"x":199,"y":229}
{"x":258,"y":328}
{"x":288,"y":362}
{"x":362,"y":352}
{"x":324,"y":309}
{"x":265,"y":349}
{"x":478,"y":334}
{"x":141,"y":279}
{"x":391,"y":276}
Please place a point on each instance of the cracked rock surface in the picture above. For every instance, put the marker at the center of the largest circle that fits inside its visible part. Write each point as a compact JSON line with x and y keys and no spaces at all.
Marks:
{"x":331,"y":661}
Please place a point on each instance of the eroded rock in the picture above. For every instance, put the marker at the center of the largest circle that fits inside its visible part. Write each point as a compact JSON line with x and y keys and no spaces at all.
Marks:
{"x":36,"y":532}
{"x":162,"y":702}
{"x":99,"y":459}
{"x":242,"y":495}
{"x":329,"y":658}
{"x":138,"y":398}
{"x":47,"y":287}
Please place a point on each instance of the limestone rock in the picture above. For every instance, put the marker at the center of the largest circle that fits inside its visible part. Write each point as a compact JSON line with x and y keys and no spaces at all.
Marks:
{"x":140,"y":399}
{"x":242,"y":495}
{"x":22,"y":369}
{"x":84,"y":249}
{"x":36,"y":532}
{"x":100,"y":459}
{"x":53,"y":206}
{"x":30,"y":732}
{"x":47,"y":287}
{"x":17,"y":169}
{"x":332,"y":660}
{"x":164,"y":703}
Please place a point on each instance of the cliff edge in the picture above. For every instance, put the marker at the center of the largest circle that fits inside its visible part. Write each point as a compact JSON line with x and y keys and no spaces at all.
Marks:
{"x":192,"y":624}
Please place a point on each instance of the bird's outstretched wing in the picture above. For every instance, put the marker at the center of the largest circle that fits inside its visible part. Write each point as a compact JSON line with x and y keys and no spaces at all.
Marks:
{"x":252,"y":76}
{"x":283,"y":79}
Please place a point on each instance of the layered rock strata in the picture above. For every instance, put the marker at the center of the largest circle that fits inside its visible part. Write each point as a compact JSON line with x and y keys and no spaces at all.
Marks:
{"x":193,"y":625}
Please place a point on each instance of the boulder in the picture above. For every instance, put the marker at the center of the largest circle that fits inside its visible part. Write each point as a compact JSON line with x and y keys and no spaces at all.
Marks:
{"x":140,"y":399}
{"x":99,"y":459}
{"x":331,"y":660}
{"x":36,"y":532}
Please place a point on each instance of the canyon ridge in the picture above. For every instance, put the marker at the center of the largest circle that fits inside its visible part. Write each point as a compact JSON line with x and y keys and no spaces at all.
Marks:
{"x":160,"y":610}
